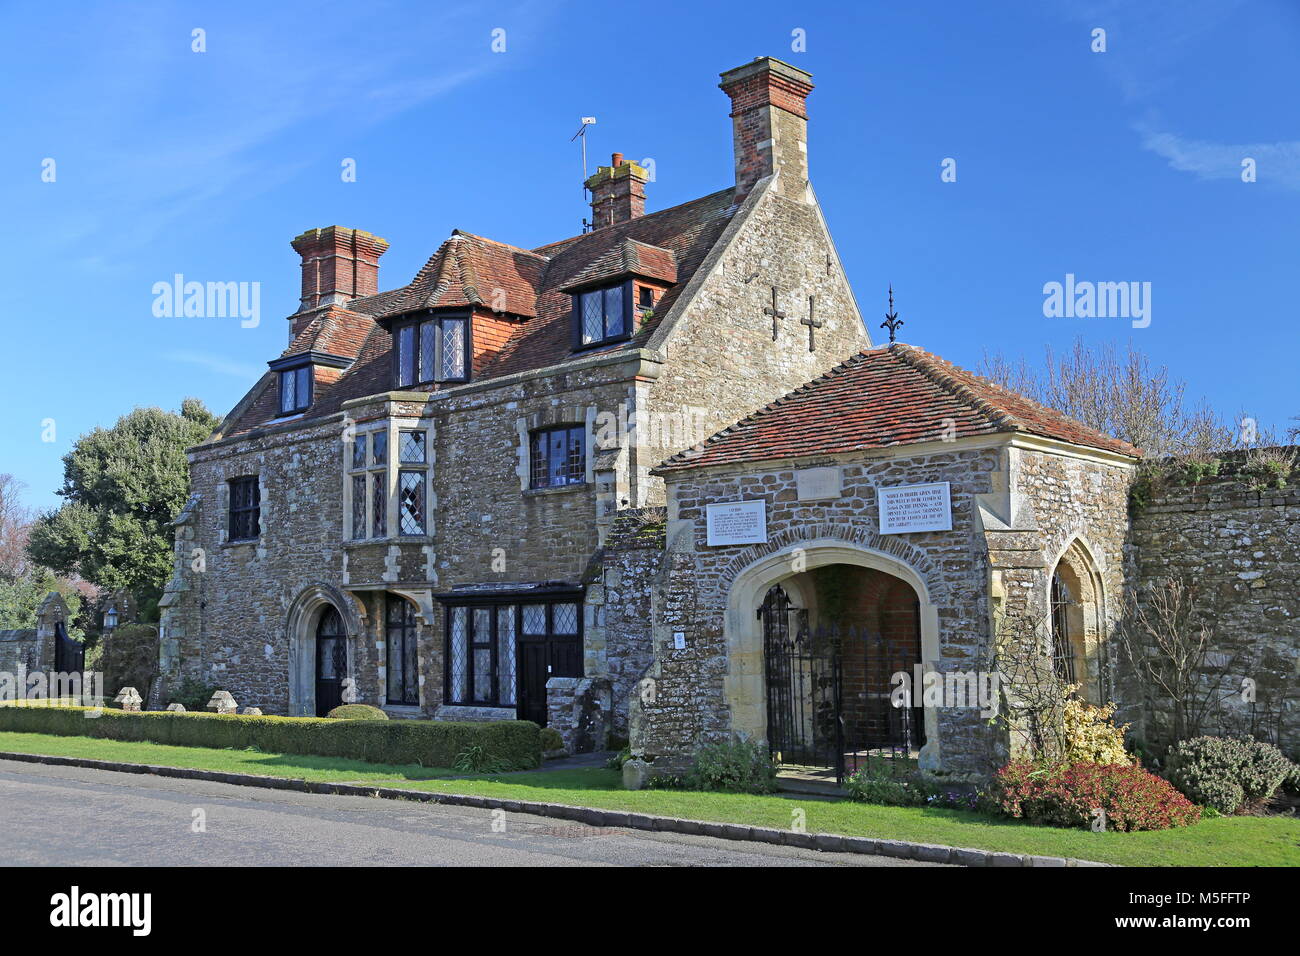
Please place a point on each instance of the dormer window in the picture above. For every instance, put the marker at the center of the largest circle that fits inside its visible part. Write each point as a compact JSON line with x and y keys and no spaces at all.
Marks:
{"x":602,"y":315}
{"x":295,"y":389}
{"x":431,"y":350}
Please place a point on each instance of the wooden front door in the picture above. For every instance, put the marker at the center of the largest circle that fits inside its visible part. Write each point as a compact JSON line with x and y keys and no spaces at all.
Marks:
{"x":331,"y":661}
{"x":550,"y":645}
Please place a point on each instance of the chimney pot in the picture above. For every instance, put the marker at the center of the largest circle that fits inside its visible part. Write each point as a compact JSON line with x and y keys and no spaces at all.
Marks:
{"x":617,"y":192}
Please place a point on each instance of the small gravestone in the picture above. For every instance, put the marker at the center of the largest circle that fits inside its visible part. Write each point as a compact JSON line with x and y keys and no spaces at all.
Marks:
{"x":635,"y":774}
{"x":223,"y":703}
{"x":252,"y":711}
{"x":178,"y":708}
{"x":129,"y":698}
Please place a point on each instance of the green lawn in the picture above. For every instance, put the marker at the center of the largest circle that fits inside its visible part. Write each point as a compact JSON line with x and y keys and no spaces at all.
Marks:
{"x":1231,"y":841}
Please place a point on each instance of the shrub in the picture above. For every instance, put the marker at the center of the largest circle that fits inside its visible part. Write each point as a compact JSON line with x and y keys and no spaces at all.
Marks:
{"x":870,"y":784}
{"x":356,"y":712}
{"x":551,"y":739}
{"x":1227,"y":774}
{"x":130,"y":659}
{"x":192,"y":694}
{"x":1069,"y":794}
{"x":1090,"y":734}
{"x":616,"y":762}
{"x":739,"y":766}
{"x":429,"y":743}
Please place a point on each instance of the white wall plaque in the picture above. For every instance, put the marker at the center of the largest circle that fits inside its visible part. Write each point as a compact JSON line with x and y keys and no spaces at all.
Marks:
{"x":736,"y":522}
{"x":907,"y":508}
{"x":817,"y":483}
{"x":679,"y":640}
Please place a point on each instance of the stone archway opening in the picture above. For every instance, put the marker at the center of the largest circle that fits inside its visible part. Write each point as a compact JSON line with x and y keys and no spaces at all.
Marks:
{"x":821,"y":692}
{"x":1078,"y":641}
{"x":321,"y":617}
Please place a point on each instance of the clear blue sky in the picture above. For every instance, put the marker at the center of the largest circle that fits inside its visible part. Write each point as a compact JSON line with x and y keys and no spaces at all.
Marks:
{"x":1115,"y":166}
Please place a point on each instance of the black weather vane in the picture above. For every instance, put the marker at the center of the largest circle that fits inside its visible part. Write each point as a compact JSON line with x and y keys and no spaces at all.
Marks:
{"x":892,"y":321}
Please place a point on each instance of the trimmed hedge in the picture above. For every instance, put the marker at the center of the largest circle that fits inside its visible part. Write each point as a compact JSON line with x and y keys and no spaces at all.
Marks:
{"x":429,"y":743}
{"x":356,"y":712}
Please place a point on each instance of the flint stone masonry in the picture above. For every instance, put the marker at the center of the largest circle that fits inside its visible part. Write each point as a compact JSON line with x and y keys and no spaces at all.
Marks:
{"x":1241,"y":548}
{"x":714,"y":688}
{"x":241,"y":615}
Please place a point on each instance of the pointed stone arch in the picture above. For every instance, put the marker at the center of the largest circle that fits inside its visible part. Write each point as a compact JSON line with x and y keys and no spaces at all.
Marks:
{"x":304,"y":614}
{"x":1077,"y":596}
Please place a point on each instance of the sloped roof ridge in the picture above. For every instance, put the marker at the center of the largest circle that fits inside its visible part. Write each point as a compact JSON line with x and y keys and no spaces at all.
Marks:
{"x":684,"y":455}
{"x":933,"y":369}
{"x":638,"y":219}
{"x":496,"y":242}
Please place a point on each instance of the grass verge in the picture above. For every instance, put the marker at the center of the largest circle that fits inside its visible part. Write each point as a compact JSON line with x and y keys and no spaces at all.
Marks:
{"x":1227,"y":841}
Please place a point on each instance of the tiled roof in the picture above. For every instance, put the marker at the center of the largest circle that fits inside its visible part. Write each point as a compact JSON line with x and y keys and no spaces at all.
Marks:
{"x":470,"y":270}
{"x":467,"y":270}
{"x":629,"y":257}
{"x":883,"y":398}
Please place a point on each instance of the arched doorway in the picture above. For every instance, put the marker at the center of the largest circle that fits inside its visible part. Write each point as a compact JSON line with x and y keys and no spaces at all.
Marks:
{"x":305,"y":622}
{"x":331,"y":661}
{"x":813,"y":659}
{"x":1078,"y":642}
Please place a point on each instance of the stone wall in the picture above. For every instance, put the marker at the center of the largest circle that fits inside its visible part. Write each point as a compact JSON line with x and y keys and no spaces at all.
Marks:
{"x":1240,"y":547}
{"x":1014,"y":511}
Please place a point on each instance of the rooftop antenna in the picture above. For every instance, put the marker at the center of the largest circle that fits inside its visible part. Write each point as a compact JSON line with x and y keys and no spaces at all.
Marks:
{"x":892,"y":321}
{"x":581,"y":134}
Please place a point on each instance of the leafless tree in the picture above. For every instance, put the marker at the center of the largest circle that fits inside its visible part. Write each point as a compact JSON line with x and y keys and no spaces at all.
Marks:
{"x":15,"y":523}
{"x":1123,"y":395}
{"x":1168,"y":640}
{"x":1033,"y":690}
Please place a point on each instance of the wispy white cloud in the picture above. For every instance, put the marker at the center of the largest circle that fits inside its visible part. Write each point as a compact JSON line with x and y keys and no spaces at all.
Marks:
{"x":244,"y":371}
{"x":1277,"y":163}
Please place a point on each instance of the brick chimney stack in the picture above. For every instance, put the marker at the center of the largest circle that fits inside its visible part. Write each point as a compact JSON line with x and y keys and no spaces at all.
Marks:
{"x":617,"y":192}
{"x":338,"y":265}
{"x":769,"y":124}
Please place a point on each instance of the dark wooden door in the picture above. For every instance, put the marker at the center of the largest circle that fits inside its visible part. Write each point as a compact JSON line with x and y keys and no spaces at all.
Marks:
{"x":331,"y":662}
{"x":532,"y":681}
{"x":550,"y":645}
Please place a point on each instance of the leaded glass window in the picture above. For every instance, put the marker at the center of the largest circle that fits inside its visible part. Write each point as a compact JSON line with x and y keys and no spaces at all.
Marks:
{"x":401,"y":644}
{"x":245,"y":508}
{"x":432,"y":350}
{"x":412,"y":448}
{"x":410,"y":505}
{"x":358,"y":506}
{"x":558,"y":457}
{"x":458,"y":656}
{"x":295,"y":390}
{"x":506,"y":655}
{"x":379,"y":448}
{"x":359,"y":451}
{"x":378,"y":504}
{"x":602,"y":315}
{"x":565,"y":618}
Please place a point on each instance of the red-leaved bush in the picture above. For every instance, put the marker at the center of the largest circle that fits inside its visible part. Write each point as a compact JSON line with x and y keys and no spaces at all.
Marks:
{"x":1069,"y":794}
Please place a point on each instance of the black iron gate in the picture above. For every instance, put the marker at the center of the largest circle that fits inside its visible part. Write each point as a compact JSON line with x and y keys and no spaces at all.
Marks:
{"x":834,"y":699}
{"x":803,"y":688}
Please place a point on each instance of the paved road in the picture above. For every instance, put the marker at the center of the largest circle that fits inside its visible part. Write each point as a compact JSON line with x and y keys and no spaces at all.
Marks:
{"x":68,"y":816}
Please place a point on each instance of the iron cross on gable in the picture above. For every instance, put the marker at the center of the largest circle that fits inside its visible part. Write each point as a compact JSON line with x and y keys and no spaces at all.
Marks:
{"x":775,"y":313}
{"x":812,"y":322}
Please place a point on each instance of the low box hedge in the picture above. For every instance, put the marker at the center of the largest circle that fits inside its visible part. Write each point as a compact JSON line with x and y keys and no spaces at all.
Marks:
{"x":429,"y":743}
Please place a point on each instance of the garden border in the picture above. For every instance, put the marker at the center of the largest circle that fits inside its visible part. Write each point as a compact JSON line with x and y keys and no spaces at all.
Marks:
{"x":592,"y":816}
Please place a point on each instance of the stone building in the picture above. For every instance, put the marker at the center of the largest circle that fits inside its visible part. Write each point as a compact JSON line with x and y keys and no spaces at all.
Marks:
{"x":532,"y":483}
{"x":404,"y":508}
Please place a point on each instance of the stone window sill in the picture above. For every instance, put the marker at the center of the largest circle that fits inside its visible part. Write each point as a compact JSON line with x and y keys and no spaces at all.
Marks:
{"x":384,"y":542}
{"x":555,"y":490}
